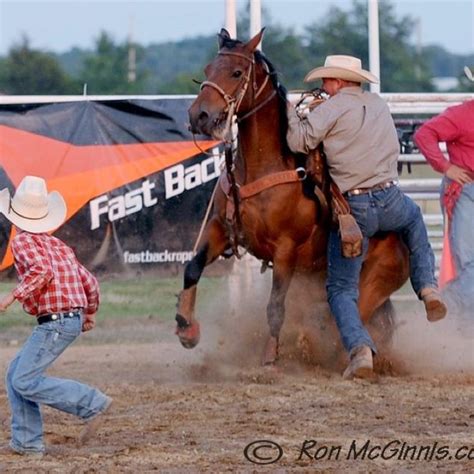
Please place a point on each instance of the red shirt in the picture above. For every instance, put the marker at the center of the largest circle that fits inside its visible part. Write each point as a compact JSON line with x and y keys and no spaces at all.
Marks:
{"x":455,"y":126}
{"x":51,"y":278}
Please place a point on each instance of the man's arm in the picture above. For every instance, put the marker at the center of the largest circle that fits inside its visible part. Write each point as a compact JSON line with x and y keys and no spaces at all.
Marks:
{"x":91,"y":289}
{"x":428,"y":137}
{"x":6,"y":301}
{"x":305,"y":134}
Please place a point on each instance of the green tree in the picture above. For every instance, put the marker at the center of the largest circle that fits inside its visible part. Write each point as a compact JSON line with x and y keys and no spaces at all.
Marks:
{"x":181,"y":84}
{"x":32,"y":72}
{"x":281,"y":45}
{"x":342,"y":32}
{"x":106,"y":70}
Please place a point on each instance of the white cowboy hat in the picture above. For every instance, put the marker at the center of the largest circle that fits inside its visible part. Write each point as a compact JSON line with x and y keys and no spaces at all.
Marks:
{"x":32,"y":208}
{"x":468,"y":73}
{"x":339,"y":66}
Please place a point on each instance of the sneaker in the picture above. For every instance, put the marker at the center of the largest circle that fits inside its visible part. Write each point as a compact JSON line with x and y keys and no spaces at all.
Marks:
{"x":361,"y":365}
{"x":435,"y":307}
{"x":93,"y":425}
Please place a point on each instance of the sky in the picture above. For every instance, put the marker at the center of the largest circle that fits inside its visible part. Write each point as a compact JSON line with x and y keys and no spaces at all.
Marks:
{"x":61,"y":24}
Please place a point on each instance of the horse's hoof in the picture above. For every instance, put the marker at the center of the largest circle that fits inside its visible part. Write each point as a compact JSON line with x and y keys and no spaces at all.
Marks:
{"x":272,"y":367}
{"x":270,"y":354}
{"x":190,"y":335}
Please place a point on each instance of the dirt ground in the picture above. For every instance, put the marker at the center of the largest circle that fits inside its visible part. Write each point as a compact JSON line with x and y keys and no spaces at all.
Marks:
{"x":178,"y":410}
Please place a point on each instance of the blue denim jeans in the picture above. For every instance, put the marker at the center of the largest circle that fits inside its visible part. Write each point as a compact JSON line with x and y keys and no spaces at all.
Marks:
{"x":459,"y":292}
{"x":383,"y":210}
{"x":28,"y":386}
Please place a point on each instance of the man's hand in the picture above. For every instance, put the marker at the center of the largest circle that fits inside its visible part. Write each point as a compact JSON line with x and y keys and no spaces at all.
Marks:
{"x":88,"y":323}
{"x":458,"y":174}
{"x":6,"y":302}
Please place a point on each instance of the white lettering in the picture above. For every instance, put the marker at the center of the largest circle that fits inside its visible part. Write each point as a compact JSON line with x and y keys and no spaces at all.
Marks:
{"x":121,"y":206}
{"x":179,"y":179}
{"x":174,"y":183}
{"x":97,"y":211}
{"x":146,"y":256}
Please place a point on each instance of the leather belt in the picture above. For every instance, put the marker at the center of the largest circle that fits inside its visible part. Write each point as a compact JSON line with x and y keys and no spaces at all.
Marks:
{"x":48,"y":317}
{"x":377,"y":187}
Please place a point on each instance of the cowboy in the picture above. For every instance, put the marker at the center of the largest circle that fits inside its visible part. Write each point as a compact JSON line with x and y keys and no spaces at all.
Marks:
{"x":455,"y":126}
{"x":64,"y":297}
{"x":361,"y":146}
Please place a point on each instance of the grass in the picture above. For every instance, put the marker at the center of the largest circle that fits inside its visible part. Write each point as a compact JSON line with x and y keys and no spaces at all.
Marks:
{"x":122,"y":299}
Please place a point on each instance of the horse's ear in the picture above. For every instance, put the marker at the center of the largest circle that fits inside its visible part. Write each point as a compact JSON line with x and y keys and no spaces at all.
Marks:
{"x":222,"y":37}
{"x":252,"y":44}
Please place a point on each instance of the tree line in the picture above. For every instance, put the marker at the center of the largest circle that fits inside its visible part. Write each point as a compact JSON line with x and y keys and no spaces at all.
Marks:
{"x":169,"y":68}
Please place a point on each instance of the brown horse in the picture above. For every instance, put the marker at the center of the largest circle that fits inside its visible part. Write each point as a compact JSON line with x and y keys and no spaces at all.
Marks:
{"x":277,"y":222}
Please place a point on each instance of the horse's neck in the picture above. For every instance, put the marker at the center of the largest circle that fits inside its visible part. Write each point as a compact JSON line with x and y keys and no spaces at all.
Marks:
{"x":261,"y":147}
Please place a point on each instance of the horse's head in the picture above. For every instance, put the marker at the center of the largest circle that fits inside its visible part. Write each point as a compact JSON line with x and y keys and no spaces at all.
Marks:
{"x":235,"y":82}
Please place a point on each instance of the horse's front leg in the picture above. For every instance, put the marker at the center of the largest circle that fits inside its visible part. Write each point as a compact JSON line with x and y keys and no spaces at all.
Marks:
{"x":213,"y":244}
{"x":283,"y":269}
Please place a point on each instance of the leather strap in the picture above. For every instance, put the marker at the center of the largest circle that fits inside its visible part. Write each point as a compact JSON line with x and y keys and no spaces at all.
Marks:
{"x":340,"y":205}
{"x":351,"y":236}
{"x":274,"y":179}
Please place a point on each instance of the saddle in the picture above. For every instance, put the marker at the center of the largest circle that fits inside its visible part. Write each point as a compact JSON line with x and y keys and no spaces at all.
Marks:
{"x":351,"y":235}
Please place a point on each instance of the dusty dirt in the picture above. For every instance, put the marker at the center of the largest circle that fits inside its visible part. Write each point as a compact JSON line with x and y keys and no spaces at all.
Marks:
{"x":179,"y":410}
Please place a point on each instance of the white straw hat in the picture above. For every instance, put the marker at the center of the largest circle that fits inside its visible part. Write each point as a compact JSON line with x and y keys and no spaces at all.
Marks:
{"x":339,"y":66}
{"x":468,"y":73}
{"x":32,"y":208}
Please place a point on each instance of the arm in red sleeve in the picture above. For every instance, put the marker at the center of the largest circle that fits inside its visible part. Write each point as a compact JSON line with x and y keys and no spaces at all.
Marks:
{"x":91,"y":289}
{"x":429,"y":135}
{"x":38,"y":271}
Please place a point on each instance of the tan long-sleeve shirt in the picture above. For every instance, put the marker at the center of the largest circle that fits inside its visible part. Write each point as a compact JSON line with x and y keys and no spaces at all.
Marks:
{"x":359,"y":137}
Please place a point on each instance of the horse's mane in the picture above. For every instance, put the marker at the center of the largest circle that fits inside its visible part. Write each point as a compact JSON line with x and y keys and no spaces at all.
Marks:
{"x":230,"y":43}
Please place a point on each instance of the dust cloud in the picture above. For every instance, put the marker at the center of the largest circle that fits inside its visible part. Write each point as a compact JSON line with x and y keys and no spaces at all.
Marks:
{"x":234,"y":331}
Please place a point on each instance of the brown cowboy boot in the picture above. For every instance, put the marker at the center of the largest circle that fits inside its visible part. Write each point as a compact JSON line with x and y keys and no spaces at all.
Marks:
{"x":435,"y":307}
{"x":361,"y":365}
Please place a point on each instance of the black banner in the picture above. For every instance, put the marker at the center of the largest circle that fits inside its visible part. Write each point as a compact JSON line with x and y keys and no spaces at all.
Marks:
{"x":136,"y":185}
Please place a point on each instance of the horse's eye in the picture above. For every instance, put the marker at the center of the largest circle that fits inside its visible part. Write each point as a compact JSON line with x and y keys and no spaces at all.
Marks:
{"x":237,"y":74}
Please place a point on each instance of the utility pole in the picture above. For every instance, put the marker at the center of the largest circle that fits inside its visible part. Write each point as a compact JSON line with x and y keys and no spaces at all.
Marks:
{"x":418,"y":48}
{"x":132,"y":54}
{"x":231,"y":18}
{"x":255,"y":19}
{"x":374,"y":42}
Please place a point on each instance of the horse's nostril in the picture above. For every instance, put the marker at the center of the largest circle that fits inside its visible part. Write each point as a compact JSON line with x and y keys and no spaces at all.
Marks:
{"x":203,"y":116}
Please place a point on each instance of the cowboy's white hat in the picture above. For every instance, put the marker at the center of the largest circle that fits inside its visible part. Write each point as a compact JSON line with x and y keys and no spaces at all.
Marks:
{"x":468,"y":73}
{"x":32,"y":208}
{"x":339,"y":66}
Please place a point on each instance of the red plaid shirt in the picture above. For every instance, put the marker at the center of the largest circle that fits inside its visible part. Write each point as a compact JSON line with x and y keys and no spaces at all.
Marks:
{"x":51,"y":278}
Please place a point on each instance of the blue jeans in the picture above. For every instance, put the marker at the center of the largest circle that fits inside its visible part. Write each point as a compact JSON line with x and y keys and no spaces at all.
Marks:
{"x":383,"y":210}
{"x":28,"y":387}
{"x":459,"y":292}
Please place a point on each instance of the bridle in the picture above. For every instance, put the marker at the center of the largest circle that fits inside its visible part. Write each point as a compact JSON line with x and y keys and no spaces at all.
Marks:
{"x":234,"y":101}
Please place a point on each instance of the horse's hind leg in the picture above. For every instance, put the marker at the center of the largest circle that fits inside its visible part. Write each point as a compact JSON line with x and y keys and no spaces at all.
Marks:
{"x":384,"y":272}
{"x":214,"y":243}
{"x":283,"y":269}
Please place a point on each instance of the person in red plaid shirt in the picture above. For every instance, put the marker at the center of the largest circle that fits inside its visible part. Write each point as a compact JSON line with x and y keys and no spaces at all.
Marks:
{"x":64,"y":297}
